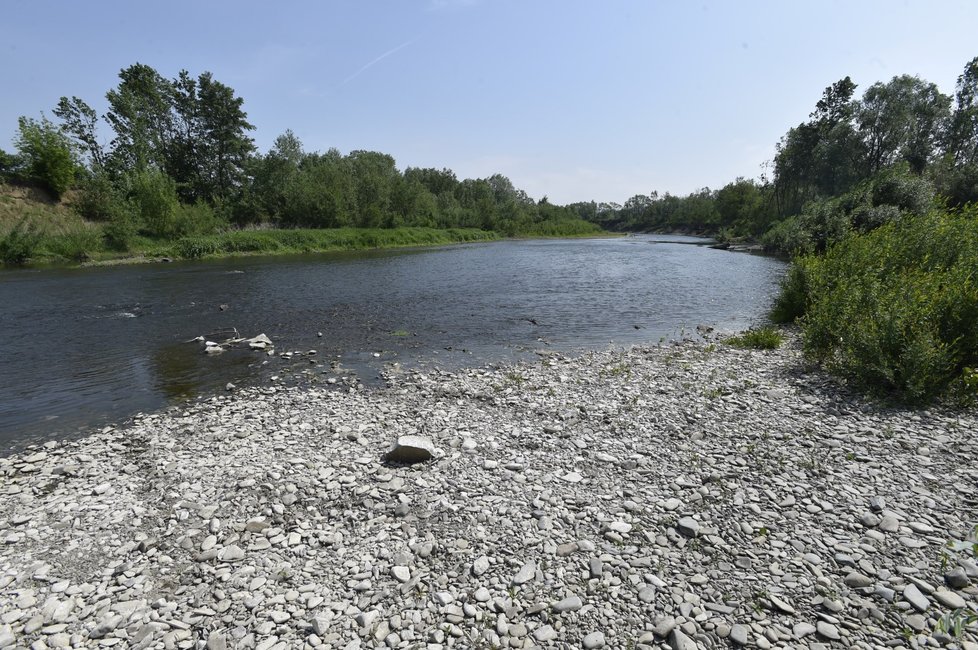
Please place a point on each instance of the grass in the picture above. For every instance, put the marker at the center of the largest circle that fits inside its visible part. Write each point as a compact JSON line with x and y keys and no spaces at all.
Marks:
{"x":761,"y":338}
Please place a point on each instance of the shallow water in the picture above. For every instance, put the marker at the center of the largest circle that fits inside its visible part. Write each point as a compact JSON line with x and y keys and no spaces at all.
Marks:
{"x":82,"y":347}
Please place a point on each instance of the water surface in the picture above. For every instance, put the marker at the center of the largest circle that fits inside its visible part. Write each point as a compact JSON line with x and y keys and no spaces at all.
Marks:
{"x":83,"y":347}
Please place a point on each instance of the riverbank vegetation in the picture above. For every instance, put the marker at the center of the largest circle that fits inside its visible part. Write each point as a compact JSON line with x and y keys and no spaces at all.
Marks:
{"x":901,"y":149}
{"x":873,"y":198}
{"x":181,"y":173}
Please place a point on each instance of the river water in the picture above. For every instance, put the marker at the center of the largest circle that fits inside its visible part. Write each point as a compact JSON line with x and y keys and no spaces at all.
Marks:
{"x":84,"y":347}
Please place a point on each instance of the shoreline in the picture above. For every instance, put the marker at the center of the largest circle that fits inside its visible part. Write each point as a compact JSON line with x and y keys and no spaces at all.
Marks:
{"x":690,"y":494}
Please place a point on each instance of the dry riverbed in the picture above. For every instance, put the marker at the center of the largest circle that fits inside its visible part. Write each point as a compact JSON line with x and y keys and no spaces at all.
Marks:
{"x":684,"y":496}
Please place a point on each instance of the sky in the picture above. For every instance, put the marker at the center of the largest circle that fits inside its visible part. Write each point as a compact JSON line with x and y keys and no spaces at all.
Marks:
{"x":573,"y":100}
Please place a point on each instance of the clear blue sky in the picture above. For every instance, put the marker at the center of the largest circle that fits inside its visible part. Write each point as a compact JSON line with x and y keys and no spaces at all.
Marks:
{"x":572,"y":99}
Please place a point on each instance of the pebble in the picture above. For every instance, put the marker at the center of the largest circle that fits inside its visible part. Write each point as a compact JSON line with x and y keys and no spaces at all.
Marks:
{"x":662,"y":507}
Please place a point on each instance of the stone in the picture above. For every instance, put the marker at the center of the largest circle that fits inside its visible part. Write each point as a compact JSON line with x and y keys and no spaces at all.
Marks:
{"x":948,"y":599}
{"x":688,"y":526}
{"x":569,"y":604}
{"x":526,"y":573}
{"x":740,"y":634}
{"x":913,"y":596}
{"x":480,"y":566}
{"x":957,"y":578}
{"x":410,"y":450}
{"x":217,"y":641}
{"x":401,"y":573}
{"x":593,"y":641}
{"x":679,"y":641}
{"x":857,"y":580}
{"x":801,"y":630}
{"x":544,"y":634}
{"x":828,"y":630}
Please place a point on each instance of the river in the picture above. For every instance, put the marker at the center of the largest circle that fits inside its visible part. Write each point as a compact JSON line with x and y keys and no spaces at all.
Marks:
{"x":90,"y":346}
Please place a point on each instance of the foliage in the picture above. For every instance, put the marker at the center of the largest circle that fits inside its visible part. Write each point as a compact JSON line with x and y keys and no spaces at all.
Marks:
{"x":792,"y":299}
{"x":47,"y":155}
{"x":762,"y":338}
{"x":893,"y":310}
{"x":20,"y":244}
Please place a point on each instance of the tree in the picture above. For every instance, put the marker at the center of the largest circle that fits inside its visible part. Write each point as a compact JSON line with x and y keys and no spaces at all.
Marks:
{"x":140,"y":113}
{"x":904,"y":119}
{"x":964,"y":123}
{"x":47,"y":154}
{"x":80,"y":122}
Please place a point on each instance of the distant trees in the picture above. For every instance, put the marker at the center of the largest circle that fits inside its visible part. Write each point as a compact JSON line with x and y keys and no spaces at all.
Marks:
{"x":855,"y":164}
{"x":180,"y":161}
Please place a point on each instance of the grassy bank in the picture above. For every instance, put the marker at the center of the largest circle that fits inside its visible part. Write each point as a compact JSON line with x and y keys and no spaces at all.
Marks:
{"x":80,"y":242}
{"x":36,"y":229}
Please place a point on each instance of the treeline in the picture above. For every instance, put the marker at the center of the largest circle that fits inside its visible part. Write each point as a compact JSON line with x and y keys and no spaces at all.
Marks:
{"x":857,"y":163}
{"x":180,"y":162}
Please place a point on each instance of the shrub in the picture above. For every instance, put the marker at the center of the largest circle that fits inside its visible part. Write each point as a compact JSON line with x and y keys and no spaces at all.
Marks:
{"x":75,"y":246}
{"x":762,"y":338}
{"x":792,"y":299}
{"x":789,"y":237}
{"x":894,"y":311}
{"x":197,"y":247}
{"x":154,"y":196}
{"x":20,"y":244}
{"x":47,"y":155}
{"x":97,"y":199}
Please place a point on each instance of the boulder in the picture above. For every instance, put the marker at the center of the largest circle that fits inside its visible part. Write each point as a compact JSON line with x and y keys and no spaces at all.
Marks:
{"x":411,"y":449}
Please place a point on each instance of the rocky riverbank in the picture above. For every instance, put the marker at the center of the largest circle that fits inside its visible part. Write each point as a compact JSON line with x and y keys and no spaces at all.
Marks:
{"x":684,"y":496}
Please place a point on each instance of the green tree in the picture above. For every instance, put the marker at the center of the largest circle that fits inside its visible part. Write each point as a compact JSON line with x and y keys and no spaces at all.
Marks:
{"x":80,"y":122}
{"x":47,"y":154}
{"x":904,"y":119}
{"x":141,"y":115}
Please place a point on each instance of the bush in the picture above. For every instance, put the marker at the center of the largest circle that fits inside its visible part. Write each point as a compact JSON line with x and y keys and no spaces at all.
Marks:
{"x":97,"y":199}
{"x":791,"y":301}
{"x":763,"y":338}
{"x":788,"y":237}
{"x":20,"y":244}
{"x":197,"y":247}
{"x":894,"y":311}
{"x":75,"y":246}
{"x":47,"y":155}
{"x":154,"y":196}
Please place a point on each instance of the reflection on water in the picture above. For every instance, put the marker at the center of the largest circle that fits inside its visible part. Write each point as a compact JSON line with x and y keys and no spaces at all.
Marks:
{"x":86,"y":346}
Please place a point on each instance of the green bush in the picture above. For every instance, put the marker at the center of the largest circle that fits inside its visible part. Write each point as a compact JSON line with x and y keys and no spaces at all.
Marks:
{"x":75,"y":246}
{"x":47,"y":155}
{"x":97,"y":198}
{"x":791,"y":301}
{"x":197,"y":247}
{"x":789,"y":237}
{"x":20,"y":244}
{"x":154,"y":196}
{"x":894,"y":311}
{"x":762,"y":338}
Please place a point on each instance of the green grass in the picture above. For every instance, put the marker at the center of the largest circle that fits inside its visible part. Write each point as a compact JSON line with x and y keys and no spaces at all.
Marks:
{"x":762,"y":338}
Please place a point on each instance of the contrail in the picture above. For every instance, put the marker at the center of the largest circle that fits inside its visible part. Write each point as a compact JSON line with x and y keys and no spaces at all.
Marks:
{"x":375,"y":62}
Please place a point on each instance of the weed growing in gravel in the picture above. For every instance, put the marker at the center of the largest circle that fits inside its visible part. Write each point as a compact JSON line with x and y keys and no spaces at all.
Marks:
{"x":762,"y":338}
{"x":956,"y":622}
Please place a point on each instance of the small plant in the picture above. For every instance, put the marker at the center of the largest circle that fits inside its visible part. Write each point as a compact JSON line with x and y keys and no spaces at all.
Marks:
{"x":762,"y":338}
{"x":400,"y":333}
{"x":956,"y":622}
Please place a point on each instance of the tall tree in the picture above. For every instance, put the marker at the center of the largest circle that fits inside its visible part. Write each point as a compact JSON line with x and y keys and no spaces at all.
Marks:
{"x":964,"y":123}
{"x":80,"y":122}
{"x":141,"y":114}
{"x":904,"y":119}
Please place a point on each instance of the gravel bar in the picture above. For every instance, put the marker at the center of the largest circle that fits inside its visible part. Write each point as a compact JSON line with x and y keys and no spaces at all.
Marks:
{"x":684,"y":496}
